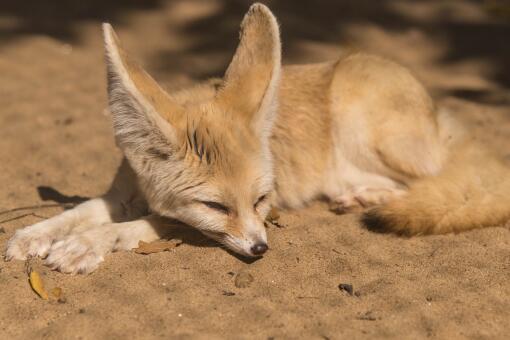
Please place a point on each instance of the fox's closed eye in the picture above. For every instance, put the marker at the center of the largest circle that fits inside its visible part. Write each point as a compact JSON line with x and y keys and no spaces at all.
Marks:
{"x":260,"y":200}
{"x":216,"y":206}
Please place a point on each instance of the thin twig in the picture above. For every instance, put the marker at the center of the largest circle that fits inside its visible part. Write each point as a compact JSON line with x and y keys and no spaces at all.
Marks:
{"x":40,"y":206}
{"x":22,"y":216}
{"x":434,"y":251}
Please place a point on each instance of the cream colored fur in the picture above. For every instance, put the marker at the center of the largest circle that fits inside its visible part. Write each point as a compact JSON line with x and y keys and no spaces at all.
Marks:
{"x":360,"y":131}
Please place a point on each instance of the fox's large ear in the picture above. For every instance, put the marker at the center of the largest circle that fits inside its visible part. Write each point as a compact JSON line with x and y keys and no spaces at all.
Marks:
{"x":142,"y":111}
{"x":251,"y":81}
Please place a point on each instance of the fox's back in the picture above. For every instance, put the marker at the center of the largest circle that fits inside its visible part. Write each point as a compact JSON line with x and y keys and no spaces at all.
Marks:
{"x":301,"y":140}
{"x":333,"y":119}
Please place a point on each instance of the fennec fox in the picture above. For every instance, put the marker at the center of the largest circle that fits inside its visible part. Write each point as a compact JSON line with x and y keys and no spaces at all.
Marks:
{"x":360,"y":131}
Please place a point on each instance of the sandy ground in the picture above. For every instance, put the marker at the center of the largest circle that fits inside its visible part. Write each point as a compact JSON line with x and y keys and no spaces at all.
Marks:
{"x":56,"y":143}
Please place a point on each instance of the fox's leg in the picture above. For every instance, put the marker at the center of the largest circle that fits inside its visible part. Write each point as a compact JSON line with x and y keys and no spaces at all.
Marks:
{"x":82,"y":252}
{"x":36,"y":240}
{"x":121,"y":203}
{"x":358,"y":199}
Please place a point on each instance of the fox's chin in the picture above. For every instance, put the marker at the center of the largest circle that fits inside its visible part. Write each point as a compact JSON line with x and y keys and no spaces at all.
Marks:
{"x":244,"y":253}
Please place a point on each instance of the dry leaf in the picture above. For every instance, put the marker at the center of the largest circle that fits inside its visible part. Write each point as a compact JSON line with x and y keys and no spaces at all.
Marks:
{"x":273,"y":218}
{"x":37,"y":285}
{"x":156,"y":247}
{"x":273,"y":215}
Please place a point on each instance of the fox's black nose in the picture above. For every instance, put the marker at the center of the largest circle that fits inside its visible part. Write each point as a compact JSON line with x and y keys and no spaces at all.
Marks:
{"x":259,"y":248}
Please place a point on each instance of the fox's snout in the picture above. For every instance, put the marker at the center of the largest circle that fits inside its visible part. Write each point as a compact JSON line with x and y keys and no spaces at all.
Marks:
{"x":249,"y":240}
{"x":256,"y":237}
{"x":254,"y":249}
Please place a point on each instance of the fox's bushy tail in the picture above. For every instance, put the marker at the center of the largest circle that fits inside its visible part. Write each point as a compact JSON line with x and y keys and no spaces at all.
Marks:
{"x":472,"y":191}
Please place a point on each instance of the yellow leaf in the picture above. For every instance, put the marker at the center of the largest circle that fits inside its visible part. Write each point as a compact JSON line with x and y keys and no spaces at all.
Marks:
{"x":37,"y":285}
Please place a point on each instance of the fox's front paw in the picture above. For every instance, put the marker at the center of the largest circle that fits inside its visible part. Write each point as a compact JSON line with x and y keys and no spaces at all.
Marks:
{"x":75,"y":254}
{"x":347,"y":203}
{"x":26,"y":243}
{"x":362,"y":198}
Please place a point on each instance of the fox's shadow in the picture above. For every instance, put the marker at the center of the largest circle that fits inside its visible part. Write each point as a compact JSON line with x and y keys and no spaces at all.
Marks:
{"x":51,"y":194}
{"x":191,"y":236}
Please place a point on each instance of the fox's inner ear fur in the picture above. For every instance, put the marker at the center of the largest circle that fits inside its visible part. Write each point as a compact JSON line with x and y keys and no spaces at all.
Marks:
{"x":142,"y":111}
{"x":251,"y":81}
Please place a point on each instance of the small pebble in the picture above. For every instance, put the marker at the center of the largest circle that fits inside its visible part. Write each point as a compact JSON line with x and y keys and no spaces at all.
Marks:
{"x":367,"y":316}
{"x":226,"y":293}
{"x":346,"y":287}
{"x":243,"y":280}
{"x":66,"y":49}
{"x":2,"y":230}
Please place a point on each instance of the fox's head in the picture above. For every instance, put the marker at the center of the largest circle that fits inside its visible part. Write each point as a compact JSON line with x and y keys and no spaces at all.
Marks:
{"x":202,"y":156}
